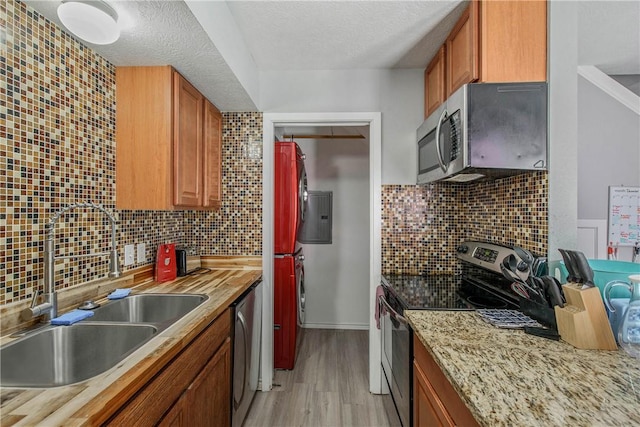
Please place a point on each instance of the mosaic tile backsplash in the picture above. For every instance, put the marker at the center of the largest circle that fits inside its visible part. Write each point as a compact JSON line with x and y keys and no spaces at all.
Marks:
{"x":422,"y":225}
{"x":57,"y":147}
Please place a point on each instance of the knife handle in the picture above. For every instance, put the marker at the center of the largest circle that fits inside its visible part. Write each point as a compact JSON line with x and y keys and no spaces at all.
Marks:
{"x":572,"y":277}
{"x":584,"y":269}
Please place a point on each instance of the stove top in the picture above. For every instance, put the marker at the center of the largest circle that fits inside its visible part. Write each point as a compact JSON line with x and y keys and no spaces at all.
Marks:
{"x":438,"y":292}
{"x":481,"y":284}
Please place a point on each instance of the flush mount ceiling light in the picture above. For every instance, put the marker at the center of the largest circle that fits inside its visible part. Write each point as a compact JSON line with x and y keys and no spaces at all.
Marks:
{"x":91,"y":20}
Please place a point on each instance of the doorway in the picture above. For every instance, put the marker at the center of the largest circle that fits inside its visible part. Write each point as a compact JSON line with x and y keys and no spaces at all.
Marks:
{"x":276,"y":121}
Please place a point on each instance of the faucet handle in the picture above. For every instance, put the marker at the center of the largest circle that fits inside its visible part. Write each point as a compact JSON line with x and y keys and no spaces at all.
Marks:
{"x":34,"y":300}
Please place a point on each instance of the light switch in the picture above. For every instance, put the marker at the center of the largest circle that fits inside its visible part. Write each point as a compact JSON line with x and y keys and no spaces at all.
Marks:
{"x":129,"y":254}
{"x":141,"y":251}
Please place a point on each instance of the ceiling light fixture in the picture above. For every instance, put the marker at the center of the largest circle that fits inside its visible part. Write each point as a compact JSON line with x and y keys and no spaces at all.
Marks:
{"x":91,"y":20}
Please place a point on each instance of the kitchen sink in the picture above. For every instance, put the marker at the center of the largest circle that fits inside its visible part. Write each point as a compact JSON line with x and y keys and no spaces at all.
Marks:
{"x":147,"y":308}
{"x":62,"y":355}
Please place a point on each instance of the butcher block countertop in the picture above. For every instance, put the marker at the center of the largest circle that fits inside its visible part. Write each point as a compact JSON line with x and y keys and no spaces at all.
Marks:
{"x":508,"y":378}
{"x":92,"y":401}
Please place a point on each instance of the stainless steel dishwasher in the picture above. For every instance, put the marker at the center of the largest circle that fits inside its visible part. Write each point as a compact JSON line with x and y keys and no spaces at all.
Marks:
{"x":246,"y":351}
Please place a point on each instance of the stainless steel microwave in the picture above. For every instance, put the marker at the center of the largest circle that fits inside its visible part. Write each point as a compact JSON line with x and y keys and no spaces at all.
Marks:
{"x":485,"y":130}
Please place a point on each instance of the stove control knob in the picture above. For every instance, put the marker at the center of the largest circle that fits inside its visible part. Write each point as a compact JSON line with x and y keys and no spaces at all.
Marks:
{"x":463,"y":249}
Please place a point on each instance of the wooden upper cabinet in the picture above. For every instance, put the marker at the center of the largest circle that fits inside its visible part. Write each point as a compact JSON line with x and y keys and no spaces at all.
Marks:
{"x":212,"y":150}
{"x":462,"y":50}
{"x":187,"y":148}
{"x":493,"y":42}
{"x":144,"y":135}
{"x":434,"y":83}
{"x":168,"y":138}
{"x":513,"y":41}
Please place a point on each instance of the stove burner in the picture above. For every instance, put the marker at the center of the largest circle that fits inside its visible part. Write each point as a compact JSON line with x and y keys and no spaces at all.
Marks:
{"x":483,"y":301}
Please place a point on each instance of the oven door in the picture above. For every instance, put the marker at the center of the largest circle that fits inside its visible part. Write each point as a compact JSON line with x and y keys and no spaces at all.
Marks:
{"x":396,"y":360}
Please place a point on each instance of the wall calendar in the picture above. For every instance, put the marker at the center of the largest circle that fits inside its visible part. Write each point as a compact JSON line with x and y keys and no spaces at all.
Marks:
{"x":624,"y":215}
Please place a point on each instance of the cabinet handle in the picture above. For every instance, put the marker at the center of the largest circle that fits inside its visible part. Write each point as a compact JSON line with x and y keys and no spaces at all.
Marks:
{"x":440,"y":159}
{"x":243,"y":324}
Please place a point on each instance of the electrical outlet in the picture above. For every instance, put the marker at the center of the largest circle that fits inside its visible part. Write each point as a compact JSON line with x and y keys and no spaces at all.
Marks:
{"x":141,"y":251}
{"x":129,"y":254}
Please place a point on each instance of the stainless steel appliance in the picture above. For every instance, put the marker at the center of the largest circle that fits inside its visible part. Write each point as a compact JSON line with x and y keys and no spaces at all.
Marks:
{"x":479,"y":285}
{"x":485,"y":129}
{"x":246,"y":351}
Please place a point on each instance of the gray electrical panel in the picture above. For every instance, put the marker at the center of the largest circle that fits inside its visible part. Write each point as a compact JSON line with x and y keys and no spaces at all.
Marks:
{"x":316,"y":227}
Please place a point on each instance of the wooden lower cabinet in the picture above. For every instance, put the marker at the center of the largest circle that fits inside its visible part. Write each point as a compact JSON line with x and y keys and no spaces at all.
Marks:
{"x":206,"y":401}
{"x":435,"y":402}
{"x":429,"y":409}
{"x":193,"y":389}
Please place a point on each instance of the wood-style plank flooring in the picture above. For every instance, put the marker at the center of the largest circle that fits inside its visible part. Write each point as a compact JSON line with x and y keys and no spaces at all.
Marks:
{"x":328,"y":387}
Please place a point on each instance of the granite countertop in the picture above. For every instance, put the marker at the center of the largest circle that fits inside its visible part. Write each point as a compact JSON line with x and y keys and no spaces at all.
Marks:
{"x":89,"y":402}
{"x":509,"y":378}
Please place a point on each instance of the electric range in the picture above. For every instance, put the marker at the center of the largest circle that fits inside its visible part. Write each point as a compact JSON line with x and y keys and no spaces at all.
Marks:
{"x":480,"y":285}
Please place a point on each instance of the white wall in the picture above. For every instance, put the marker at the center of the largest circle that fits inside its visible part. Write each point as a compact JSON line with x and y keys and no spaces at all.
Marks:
{"x":608,"y":148}
{"x":563,"y":89}
{"x":397,"y":94}
{"x":337,"y":274}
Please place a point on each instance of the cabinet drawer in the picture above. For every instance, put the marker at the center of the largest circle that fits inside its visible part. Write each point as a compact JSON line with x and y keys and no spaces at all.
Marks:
{"x":148,"y":406}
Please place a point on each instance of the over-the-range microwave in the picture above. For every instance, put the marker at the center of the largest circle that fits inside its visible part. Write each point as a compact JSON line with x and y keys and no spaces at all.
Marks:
{"x":485,"y":130}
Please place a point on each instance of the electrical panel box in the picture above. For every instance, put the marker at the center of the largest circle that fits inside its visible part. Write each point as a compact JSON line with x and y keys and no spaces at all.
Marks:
{"x":316,"y":228}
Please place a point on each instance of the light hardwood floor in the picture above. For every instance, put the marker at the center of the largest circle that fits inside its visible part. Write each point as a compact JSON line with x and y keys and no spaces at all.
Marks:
{"x":328,"y":387}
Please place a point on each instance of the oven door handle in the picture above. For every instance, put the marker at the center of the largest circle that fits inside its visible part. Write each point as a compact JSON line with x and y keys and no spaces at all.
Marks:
{"x":394,"y":313}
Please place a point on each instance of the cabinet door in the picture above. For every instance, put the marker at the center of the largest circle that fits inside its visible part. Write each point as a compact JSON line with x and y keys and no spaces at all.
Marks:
{"x":209,"y":396}
{"x":434,"y":83}
{"x":144,"y":138}
{"x":212,"y":160}
{"x":463,"y":50}
{"x":428,"y":410}
{"x":513,"y":41}
{"x":435,"y":401}
{"x":187,"y":143}
{"x":177,"y":415}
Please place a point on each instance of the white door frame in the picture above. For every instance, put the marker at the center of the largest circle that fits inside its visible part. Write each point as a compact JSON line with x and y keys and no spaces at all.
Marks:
{"x":270,"y":121}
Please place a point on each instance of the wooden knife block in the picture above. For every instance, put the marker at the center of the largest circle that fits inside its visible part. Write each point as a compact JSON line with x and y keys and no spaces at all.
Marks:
{"x":583,"y":322}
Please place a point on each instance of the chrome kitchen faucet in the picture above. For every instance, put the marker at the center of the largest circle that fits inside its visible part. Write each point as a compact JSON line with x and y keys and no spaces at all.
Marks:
{"x":49,"y":307}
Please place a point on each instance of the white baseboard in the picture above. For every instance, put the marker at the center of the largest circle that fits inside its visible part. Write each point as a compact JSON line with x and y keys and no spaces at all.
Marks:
{"x":355,"y":326}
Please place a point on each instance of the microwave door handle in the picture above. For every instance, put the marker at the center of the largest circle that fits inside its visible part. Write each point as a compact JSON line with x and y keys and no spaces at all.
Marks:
{"x":440,"y":160}
{"x":392,"y":311}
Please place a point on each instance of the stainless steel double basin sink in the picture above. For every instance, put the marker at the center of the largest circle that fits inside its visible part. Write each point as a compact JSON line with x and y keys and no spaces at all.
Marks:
{"x":61,"y":355}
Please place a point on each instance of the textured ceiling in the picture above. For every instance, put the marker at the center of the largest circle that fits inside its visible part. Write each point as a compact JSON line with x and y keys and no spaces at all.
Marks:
{"x":167,"y":33}
{"x":311,"y":35}
{"x":325,"y":35}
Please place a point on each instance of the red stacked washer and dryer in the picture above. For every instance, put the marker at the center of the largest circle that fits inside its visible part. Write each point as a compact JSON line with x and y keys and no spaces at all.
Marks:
{"x":290,"y":205}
